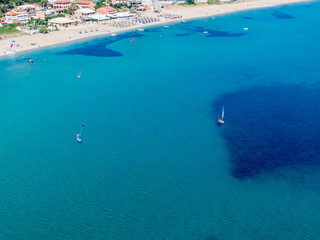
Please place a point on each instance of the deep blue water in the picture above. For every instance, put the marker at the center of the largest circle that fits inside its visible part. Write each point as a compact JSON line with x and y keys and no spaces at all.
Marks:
{"x":270,"y":128}
{"x":153,"y":163}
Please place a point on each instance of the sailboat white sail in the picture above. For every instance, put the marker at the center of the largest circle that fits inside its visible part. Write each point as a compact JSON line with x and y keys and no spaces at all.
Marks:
{"x":222,"y":115}
{"x":220,"y":120}
{"x":79,"y":134}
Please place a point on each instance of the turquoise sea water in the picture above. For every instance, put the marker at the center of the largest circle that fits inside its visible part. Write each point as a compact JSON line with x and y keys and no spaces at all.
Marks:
{"x":153,"y":164}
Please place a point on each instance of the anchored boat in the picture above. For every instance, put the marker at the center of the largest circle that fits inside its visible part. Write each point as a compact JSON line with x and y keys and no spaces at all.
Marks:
{"x":220,"y":120}
{"x":79,"y":135}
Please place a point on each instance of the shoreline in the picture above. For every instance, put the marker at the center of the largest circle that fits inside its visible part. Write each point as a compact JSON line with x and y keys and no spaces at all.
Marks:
{"x":187,"y":13}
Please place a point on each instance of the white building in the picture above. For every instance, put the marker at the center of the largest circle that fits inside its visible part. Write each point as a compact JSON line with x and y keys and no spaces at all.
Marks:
{"x":99,"y":17}
{"x":83,"y":13}
{"x":61,"y":21}
{"x":125,"y":14}
{"x":17,"y":16}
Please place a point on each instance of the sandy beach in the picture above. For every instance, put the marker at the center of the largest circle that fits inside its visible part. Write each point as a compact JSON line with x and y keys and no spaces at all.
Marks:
{"x":94,"y":29}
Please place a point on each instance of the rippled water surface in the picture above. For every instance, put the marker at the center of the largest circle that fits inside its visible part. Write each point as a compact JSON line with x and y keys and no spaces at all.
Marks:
{"x":153,"y":163}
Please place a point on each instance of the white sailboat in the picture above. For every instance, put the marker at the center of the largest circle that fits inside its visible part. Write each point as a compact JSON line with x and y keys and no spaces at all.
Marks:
{"x":79,"y":135}
{"x":220,"y":120}
{"x":11,"y":50}
{"x":79,"y":75}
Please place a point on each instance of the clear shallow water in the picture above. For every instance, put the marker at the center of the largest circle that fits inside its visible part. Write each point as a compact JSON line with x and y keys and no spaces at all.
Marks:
{"x":153,"y":164}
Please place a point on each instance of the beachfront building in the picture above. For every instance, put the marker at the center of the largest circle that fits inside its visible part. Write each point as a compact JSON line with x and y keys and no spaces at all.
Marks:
{"x":107,"y":10}
{"x":17,"y":15}
{"x":61,"y":22}
{"x":46,"y":13}
{"x":64,"y":4}
{"x":99,"y":17}
{"x":85,"y":4}
{"x":139,"y":9}
{"x":200,"y":1}
{"x":28,"y":8}
{"x":125,"y":14}
{"x":58,"y":11}
{"x":83,"y":14}
{"x":20,"y":28}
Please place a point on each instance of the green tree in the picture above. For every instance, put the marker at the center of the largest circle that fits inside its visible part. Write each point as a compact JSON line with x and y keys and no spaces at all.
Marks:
{"x":99,"y":4}
{"x":44,"y":3}
{"x":43,"y":30}
{"x":10,"y":5}
{"x":19,"y":3}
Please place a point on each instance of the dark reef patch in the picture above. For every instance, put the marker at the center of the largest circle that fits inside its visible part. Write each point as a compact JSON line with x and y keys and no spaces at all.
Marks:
{"x":268,"y":128}
{"x":281,"y":15}
{"x":182,"y":34}
{"x":153,"y":30}
{"x":99,"y":48}
{"x":215,"y":33}
{"x":211,"y":32}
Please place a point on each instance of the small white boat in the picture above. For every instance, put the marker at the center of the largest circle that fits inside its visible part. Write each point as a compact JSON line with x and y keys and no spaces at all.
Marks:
{"x":140,"y":29}
{"x":220,"y":120}
{"x":205,"y":32}
{"x":79,"y":75}
{"x":246,"y":29}
{"x":31,"y":61}
{"x":166,"y":26}
{"x":183,"y":21}
{"x":113,"y":34}
{"x":78,"y":138}
{"x":79,"y":135}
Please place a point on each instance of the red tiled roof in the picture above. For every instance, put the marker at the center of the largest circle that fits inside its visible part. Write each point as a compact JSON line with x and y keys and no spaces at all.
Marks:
{"x":62,"y":1}
{"x":58,"y":9}
{"x":17,"y":10}
{"x":2,"y":19}
{"x":110,"y":8}
{"x":17,"y":21}
{"x":11,"y":14}
{"x":106,"y":10}
{"x":102,"y":11}
{"x":84,"y":2}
